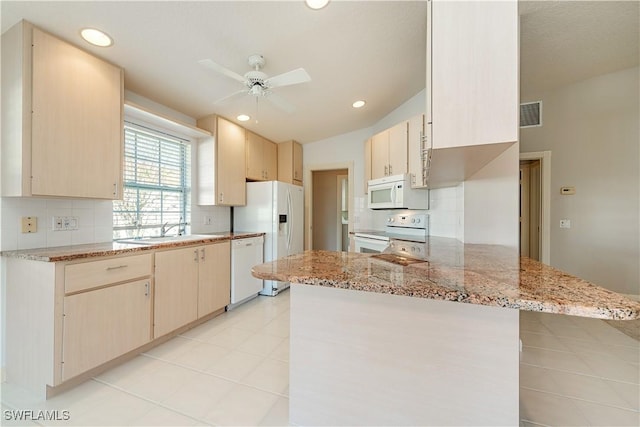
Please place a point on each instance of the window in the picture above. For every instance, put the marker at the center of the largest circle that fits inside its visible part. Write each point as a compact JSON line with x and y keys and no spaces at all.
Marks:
{"x":156,"y":184}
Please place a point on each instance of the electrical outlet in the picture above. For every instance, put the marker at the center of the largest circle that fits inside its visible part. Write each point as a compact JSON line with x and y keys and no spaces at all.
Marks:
{"x":208,"y":220}
{"x":29,"y":224}
{"x":565,"y":223}
{"x":65,"y":223}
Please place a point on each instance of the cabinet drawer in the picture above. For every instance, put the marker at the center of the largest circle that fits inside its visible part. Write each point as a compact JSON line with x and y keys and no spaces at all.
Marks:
{"x":78,"y":277}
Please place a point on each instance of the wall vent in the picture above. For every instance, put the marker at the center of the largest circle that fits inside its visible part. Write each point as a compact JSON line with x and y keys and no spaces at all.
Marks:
{"x":531,"y":114}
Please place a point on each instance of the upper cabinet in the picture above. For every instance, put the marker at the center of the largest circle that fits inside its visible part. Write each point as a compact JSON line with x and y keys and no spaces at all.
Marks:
{"x":417,"y":167}
{"x":262,"y":158}
{"x":221,"y":163}
{"x":290,"y":162}
{"x":62,"y":118}
{"x":389,"y":152}
{"x":471,"y":86}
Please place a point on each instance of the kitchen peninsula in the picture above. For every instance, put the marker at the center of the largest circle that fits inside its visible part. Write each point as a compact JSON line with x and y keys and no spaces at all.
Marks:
{"x":391,"y":337}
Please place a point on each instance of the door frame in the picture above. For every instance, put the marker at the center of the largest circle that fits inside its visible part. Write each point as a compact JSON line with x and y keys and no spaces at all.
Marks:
{"x":545,"y":198}
{"x":308,"y":196}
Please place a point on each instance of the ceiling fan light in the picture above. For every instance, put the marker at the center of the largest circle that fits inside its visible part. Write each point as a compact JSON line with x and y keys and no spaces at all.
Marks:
{"x":358,"y":104}
{"x":96,"y":37}
{"x":316,"y":4}
{"x":243,"y":118}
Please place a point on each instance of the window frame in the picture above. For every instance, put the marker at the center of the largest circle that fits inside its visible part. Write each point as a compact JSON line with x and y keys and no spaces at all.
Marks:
{"x":184,"y":189}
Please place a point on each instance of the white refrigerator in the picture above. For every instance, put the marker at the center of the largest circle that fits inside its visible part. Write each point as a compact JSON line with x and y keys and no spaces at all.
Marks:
{"x":276,"y":209}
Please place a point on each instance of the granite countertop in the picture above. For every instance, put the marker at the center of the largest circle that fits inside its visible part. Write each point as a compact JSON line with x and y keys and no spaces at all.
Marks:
{"x":74,"y":252}
{"x":476,"y":274}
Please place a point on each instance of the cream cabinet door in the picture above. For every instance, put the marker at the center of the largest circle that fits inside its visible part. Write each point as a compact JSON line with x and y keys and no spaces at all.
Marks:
{"x":473,"y":64}
{"x":398,"y":149}
{"x":270,"y":160}
{"x":176,"y":289}
{"x":214,"y":281}
{"x":297,"y":163}
{"x":230,"y":164}
{"x":414,"y":141}
{"x":77,"y":127}
{"x":103,"y":324}
{"x":255,"y":157}
{"x":380,"y":155}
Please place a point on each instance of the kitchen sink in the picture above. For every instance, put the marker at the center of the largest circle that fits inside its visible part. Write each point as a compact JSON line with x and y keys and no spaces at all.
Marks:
{"x":154,"y":240}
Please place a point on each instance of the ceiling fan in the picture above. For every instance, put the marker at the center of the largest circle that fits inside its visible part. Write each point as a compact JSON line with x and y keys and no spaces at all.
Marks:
{"x":258,"y":84}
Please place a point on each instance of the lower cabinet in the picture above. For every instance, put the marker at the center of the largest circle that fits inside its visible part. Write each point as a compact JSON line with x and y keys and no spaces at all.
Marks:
{"x":214,"y":278}
{"x":103,"y":324}
{"x":65,"y":318}
{"x":190,"y":283}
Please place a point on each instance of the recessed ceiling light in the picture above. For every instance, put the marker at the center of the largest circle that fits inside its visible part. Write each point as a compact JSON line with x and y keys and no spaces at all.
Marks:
{"x":243,"y":117}
{"x":96,"y":37}
{"x":358,"y":104}
{"x":316,"y":4}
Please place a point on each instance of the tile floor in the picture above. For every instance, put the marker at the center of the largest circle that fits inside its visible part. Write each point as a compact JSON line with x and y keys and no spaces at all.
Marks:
{"x":233,"y":370}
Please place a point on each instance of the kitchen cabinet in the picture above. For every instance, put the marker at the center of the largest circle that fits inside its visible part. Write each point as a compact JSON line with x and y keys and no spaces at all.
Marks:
{"x":389,"y":152}
{"x":221,"y":163}
{"x":190,"y":283}
{"x":472,"y":84}
{"x":214,"y":279}
{"x":62,"y":118}
{"x":103,"y":324}
{"x":290,"y":162}
{"x":106,"y":311}
{"x":262,"y":158}
{"x":416,"y":152}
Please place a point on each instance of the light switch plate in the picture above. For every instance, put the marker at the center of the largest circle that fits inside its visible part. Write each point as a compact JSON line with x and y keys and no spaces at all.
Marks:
{"x":29,"y":224}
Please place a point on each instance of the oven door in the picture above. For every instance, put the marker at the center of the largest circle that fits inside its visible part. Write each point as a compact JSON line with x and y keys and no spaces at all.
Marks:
{"x":367,"y":245}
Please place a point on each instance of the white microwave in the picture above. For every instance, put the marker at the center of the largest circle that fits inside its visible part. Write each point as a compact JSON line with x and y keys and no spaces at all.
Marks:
{"x":395,"y":192}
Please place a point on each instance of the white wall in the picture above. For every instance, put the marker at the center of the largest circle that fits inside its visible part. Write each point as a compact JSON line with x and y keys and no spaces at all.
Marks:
{"x":592,"y":130}
{"x":491,"y":199}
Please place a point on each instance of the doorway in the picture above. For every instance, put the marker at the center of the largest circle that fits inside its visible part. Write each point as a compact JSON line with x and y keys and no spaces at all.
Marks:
{"x":329,"y":224}
{"x":530,"y":207}
{"x":535,"y":205}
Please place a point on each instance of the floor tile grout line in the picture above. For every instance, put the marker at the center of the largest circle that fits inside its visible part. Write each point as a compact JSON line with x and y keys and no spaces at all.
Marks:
{"x":578,"y":373}
{"x":582,"y":350}
{"x":155,"y":402}
{"x":237,"y":382}
{"x":620,"y":359}
{"x":635,"y":411}
{"x":232,"y":349}
{"x":583,"y":340}
{"x":534,"y":423}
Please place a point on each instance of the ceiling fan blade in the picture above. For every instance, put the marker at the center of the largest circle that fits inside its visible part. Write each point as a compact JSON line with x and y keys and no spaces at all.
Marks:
{"x":207,"y":63}
{"x":280,"y":102}
{"x":233,"y":95}
{"x":292,"y":77}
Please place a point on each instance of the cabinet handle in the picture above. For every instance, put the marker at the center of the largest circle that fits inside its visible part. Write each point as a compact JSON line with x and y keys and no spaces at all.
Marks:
{"x":146,"y":289}
{"x":390,"y":169}
{"x":386,"y":170}
{"x":202,"y":254}
{"x":115,"y":189}
{"x":196,"y":255}
{"x":116,"y":267}
{"x":221,"y":197}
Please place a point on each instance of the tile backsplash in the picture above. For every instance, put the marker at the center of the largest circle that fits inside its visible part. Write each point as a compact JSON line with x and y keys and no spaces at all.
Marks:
{"x":95,"y":222}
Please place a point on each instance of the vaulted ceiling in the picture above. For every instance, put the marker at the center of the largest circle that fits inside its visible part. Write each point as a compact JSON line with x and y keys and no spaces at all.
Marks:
{"x":371,"y":50}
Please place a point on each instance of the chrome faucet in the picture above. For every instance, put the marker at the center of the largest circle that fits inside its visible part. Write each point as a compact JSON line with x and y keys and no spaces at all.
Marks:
{"x":181,"y":228}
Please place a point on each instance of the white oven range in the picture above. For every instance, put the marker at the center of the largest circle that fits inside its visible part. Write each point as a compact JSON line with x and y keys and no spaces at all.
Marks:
{"x":405,"y":234}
